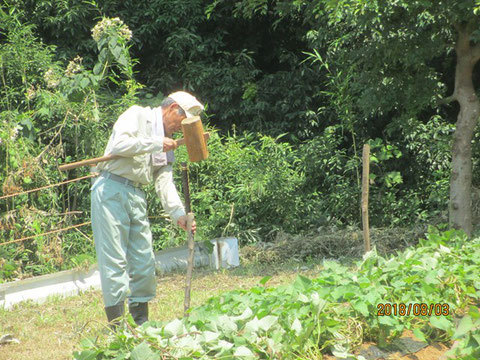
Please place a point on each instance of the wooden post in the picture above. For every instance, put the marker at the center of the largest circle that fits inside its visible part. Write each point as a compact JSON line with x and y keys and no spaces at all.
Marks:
{"x":365,"y":186}
{"x":190,"y":263}
{"x":190,"y":239}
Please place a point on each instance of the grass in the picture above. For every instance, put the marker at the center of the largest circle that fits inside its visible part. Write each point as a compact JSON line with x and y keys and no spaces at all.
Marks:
{"x":53,"y":330}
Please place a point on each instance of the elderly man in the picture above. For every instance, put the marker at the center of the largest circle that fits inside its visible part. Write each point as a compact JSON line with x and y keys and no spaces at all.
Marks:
{"x":123,"y":240}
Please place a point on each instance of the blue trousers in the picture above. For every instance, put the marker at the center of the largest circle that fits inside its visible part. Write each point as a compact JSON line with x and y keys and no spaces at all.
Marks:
{"x":123,"y":242}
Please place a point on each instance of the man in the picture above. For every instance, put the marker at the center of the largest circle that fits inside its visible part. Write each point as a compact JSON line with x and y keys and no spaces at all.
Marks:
{"x":123,"y":240}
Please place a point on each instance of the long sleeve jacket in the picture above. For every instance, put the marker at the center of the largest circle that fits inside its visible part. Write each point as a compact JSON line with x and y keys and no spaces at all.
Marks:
{"x":134,"y":140}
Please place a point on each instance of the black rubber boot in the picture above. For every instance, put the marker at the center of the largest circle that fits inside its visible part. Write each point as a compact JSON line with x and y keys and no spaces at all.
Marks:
{"x":139,"y":312}
{"x":114,"y":314}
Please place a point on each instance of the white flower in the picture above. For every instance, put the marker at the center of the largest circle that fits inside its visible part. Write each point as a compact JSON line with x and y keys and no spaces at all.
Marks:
{"x":126,"y":33}
{"x":31,"y":92}
{"x":74,"y":66}
{"x":51,"y":79}
{"x":14,"y":133}
{"x":107,"y":24}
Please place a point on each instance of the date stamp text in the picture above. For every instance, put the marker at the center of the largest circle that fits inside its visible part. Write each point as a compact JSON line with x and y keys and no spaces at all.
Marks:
{"x":415,"y":309}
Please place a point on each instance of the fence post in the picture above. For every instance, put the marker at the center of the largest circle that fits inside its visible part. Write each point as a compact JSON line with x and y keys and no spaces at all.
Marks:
{"x":365,"y":186}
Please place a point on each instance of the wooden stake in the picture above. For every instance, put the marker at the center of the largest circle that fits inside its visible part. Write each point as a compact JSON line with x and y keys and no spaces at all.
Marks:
{"x":190,"y":263}
{"x":190,"y":239}
{"x":365,"y":190}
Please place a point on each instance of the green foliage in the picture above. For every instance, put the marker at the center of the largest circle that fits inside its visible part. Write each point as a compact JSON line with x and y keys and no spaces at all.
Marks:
{"x":23,"y":61}
{"x":49,"y":114}
{"x":334,"y":312}
{"x":298,"y":120}
{"x":220,"y":56}
{"x":66,"y":23}
{"x":248,"y":188}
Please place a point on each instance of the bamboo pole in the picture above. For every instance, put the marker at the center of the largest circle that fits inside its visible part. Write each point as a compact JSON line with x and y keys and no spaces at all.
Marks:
{"x":365,"y":190}
{"x":47,"y":233}
{"x":48,"y":186}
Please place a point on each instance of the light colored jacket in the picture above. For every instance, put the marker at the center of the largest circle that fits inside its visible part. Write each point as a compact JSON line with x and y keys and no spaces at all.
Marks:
{"x":133,"y":138}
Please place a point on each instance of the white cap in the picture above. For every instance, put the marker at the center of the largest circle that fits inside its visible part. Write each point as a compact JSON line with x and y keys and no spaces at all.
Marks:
{"x":187,"y":102}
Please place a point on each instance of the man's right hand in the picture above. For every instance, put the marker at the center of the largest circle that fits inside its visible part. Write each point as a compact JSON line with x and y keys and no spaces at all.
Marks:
{"x":182,"y":222}
{"x":169,"y":144}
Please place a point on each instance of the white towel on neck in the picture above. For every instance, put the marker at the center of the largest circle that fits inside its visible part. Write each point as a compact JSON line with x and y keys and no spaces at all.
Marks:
{"x":161,"y":158}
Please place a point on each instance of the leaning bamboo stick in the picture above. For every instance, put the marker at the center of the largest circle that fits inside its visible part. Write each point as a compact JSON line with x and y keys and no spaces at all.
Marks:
{"x":47,"y":233}
{"x":48,"y":186}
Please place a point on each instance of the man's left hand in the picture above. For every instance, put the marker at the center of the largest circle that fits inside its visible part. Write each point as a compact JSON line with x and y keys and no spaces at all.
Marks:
{"x":182,"y":222}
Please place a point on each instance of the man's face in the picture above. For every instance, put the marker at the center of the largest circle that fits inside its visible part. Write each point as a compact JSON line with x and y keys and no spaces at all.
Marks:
{"x":172,"y":120}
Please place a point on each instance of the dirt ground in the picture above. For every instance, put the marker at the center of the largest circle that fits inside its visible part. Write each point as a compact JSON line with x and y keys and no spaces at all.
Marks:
{"x":432,"y":352}
{"x":413,"y":349}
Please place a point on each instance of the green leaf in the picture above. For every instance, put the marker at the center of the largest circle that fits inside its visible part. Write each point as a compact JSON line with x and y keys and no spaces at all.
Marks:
{"x":267,"y":322}
{"x":98,"y":68}
{"x":85,"y":355}
{"x":112,"y":43}
{"x":210,"y":337}
{"x":361,"y":307}
{"x":419,"y":334}
{"x":465,"y":326}
{"x":265,"y":280}
{"x":441,"y":322}
{"x":44,"y":111}
{"x":84,"y":83}
{"x":252,"y":326}
{"x":226,"y":325}
{"x":117,"y":52}
{"x":387,"y":320}
{"x":143,"y":352}
{"x":174,"y":328}
{"x":244,"y":352}
{"x":103,"y":56}
{"x":302,"y":283}
{"x":297,"y":326}
{"x":477,"y":338}
{"x":122,"y":60}
{"x":247,"y":313}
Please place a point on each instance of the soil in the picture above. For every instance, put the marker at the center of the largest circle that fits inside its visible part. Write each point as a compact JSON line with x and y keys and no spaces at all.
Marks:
{"x":431,"y":352}
{"x":414,"y":349}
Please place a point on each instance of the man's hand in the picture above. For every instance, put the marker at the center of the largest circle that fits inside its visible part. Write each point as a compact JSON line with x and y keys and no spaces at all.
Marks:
{"x":182,"y":222}
{"x":169,"y":144}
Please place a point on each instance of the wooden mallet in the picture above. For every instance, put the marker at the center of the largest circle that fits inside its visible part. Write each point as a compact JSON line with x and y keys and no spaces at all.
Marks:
{"x":195,"y":141}
{"x":180,"y":142}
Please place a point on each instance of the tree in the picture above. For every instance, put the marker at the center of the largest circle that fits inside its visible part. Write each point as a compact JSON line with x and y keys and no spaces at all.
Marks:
{"x":239,"y":63}
{"x":397,"y":50}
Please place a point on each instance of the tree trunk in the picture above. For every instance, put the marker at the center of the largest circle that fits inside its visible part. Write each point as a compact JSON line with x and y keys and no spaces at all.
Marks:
{"x":461,"y":177}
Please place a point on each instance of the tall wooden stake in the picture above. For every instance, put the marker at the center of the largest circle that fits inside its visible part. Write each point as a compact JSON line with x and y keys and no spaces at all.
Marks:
{"x":365,"y":185}
{"x":190,"y":239}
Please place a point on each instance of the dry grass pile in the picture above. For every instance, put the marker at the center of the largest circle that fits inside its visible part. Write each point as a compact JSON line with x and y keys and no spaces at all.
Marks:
{"x":329,"y":243}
